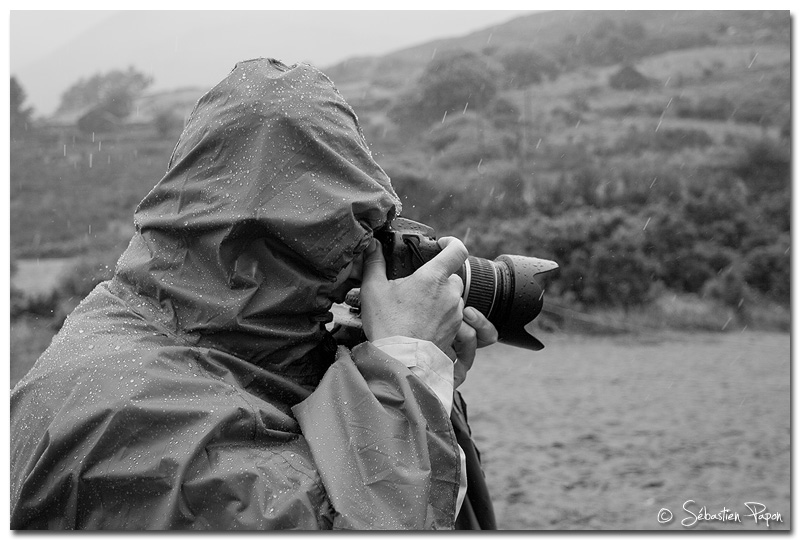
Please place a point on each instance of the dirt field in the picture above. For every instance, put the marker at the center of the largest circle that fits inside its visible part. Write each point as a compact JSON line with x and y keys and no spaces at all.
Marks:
{"x":602,"y":433}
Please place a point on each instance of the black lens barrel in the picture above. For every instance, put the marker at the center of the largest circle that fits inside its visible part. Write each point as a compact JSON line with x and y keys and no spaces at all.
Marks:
{"x":480,"y":286}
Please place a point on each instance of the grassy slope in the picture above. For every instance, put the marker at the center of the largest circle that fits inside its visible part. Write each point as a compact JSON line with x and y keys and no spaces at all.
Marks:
{"x":74,"y":195}
{"x":87,"y":189}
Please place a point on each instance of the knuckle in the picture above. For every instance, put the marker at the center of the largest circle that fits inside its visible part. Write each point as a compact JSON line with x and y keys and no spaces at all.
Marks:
{"x":470,"y":333}
{"x":457,"y":283}
{"x":462,"y":249}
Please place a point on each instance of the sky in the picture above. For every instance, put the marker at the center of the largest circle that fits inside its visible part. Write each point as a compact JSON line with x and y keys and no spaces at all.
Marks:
{"x":60,"y":26}
{"x":27,"y":27}
{"x":49,"y":51}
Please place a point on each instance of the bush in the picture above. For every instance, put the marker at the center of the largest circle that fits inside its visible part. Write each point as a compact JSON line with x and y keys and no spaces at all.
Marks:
{"x":767,"y":269}
{"x":720,"y":205}
{"x":504,"y":114}
{"x":707,"y":108}
{"x":728,"y":287}
{"x":627,"y":78}
{"x":168,"y":123}
{"x":524,"y":67}
{"x":765,"y":166}
{"x":670,"y":140}
{"x":600,"y":252}
{"x":619,"y":271}
{"x":473,"y":149}
{"x":452,"y":82}
{"x":446,"y":133}
{"x":422,"y":198}
{"x":39,"y":305}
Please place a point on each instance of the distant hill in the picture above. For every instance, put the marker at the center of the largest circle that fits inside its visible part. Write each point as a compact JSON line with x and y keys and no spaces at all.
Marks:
{"x":566,"y":36}
{"x":563,"y":35}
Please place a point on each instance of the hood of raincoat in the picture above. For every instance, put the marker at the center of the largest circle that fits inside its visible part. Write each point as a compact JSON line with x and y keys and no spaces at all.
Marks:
{"x":270,"y":192}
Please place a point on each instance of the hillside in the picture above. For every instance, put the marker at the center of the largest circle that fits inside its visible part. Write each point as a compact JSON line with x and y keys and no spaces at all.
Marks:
{"x":647,"y":152}
{"x":560,"y":34}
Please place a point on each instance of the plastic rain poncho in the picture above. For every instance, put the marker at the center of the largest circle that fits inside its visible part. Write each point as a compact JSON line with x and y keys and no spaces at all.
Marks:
{"x":198,"y":388}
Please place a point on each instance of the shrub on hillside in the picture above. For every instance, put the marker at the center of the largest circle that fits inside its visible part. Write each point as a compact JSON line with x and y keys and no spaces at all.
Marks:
{"x":475,"y":148}
{"x":728,"y":286}
{"x":663,"y":140}
{"x":628,"y":78}
{"x":767,"y":269}
{"x":720,"y":206}
{"x":765,"y":166}
{"x":39,"y":305}
{"x":422,"y":197}
{"x":454,"y":81}
{"x":168,"y":123}
{"x":706,"y":108}
{"x":504,"y":114}
{"x":600,"y":252}
{"x":524,"y":67}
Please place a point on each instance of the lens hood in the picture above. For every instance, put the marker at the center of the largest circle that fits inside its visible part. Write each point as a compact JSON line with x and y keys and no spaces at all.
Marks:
{"x":520,"y":298}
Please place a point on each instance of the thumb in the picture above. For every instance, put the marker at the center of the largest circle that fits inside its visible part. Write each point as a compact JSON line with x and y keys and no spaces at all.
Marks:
{"x":374,"y":264}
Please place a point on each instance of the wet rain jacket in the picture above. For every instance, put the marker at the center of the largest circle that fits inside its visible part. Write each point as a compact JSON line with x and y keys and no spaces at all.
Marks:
{"x":198,"y":388}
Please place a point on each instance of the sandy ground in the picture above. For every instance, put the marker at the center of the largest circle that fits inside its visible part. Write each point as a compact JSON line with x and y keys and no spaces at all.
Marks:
{"x":604,"y":433}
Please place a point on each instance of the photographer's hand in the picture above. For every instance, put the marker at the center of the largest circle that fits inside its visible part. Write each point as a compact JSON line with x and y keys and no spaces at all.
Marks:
{"x":475,"y":332}
{"x":425,"y":305}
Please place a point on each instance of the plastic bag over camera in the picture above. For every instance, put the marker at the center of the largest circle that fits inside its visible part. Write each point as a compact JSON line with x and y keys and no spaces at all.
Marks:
{"x":188,"y":391}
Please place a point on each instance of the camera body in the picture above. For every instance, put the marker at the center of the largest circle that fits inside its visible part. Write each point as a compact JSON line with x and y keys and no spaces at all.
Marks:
{"x":505,"y":290}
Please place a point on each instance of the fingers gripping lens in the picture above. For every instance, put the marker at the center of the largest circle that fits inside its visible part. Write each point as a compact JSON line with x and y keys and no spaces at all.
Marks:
{"x":505,"y":290}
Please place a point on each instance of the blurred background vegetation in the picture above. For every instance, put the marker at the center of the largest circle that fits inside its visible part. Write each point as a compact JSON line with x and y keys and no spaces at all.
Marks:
{"x":648,"y":153}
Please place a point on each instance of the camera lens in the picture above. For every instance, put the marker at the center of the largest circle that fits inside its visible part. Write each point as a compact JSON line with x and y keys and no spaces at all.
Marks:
{"x":506,"y":292}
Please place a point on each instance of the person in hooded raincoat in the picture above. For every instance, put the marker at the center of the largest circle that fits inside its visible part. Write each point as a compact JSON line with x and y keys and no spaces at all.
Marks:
{"x":199,"y":387}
